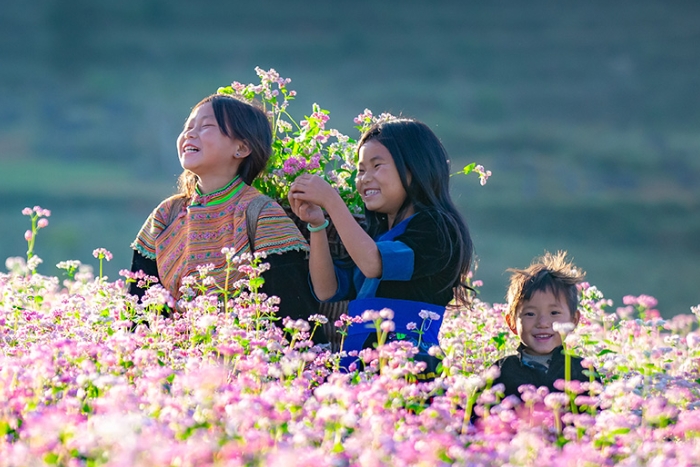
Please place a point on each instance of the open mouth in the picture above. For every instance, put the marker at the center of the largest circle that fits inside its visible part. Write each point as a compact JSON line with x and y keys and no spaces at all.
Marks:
{"x":542,"y":337}
{"x":371,"y":192}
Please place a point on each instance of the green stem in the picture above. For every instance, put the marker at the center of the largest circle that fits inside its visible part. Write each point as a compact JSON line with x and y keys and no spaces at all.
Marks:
{"x":228,"y":273}
{"x":567,"y":379}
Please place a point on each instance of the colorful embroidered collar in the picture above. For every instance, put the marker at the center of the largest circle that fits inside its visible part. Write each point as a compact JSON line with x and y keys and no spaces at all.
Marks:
{"x":219,"y":196}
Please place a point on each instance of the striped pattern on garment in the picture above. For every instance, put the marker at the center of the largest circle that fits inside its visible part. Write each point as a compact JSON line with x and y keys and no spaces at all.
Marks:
{"x":199,"y":232}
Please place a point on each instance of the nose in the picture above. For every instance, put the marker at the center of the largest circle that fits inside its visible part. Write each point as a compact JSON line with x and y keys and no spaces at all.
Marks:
{"x":542,"y":321}
{"x":364,"y":178}
{"x":188,"y":133}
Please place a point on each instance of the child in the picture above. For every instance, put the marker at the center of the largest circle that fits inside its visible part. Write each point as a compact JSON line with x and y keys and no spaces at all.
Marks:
{"x":223,"y":146}
{"x":539,"y":297}
{"x":416,"y":249}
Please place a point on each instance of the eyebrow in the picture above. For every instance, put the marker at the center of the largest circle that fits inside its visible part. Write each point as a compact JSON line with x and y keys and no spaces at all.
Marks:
{"x":374,"y":158}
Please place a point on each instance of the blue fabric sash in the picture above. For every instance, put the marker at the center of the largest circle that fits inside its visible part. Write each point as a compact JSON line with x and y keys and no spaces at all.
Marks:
{"x":405,"y":311}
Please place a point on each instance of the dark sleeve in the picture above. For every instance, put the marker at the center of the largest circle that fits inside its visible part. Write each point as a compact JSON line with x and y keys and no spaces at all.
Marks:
{"x":148,"y":266}
{"x":428,"y":250}
{"x":287,"y":278}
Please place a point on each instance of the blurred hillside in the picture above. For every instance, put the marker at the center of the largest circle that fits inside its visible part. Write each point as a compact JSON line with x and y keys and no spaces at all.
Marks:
{"x":588,"y":115}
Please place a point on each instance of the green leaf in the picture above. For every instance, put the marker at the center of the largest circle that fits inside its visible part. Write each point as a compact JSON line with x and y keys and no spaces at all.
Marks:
{"x":338,"y":448}
{"x":468,"y":168}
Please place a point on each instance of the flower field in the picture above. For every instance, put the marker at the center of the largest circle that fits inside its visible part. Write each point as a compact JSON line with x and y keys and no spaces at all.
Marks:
{"x":88,"y":376}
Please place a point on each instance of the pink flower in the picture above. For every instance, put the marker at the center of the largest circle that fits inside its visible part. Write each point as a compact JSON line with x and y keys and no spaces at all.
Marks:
{"x":41,"y":212}
{"x":102,"y":253}
{"x":28,"y":235}
{"x":43,"y":222}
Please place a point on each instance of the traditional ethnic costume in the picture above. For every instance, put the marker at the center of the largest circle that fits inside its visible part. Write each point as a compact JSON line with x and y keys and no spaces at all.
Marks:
{"x":207,"y":223}
{"x":418,"y":267}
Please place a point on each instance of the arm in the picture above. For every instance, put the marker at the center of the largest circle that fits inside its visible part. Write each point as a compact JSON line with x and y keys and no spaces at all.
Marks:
{"x":360,"y":246}
{"x":320,"y":261}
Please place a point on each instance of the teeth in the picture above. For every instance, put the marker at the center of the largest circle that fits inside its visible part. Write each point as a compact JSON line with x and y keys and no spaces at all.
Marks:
{"x":371,"y":192}
{"x":190,"y":149}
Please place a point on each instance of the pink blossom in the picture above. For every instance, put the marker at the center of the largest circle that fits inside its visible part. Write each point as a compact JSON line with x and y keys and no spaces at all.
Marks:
{"x":102,"y":253}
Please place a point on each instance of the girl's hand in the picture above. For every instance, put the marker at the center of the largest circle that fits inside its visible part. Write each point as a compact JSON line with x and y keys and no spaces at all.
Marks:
{"x":313,"y":189}
{"x":306,"y":211}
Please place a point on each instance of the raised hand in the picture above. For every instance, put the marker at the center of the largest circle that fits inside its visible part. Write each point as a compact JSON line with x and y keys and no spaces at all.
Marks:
{"x":313,"y":189}
{"x":306,"y":211}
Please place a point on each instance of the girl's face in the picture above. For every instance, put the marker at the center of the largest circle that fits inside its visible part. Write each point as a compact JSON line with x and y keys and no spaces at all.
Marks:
{"x":204,"y":150}
{"x":378,"y":180}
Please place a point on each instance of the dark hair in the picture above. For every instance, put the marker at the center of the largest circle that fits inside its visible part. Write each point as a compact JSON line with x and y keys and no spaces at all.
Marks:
{"x":242,"y":120}
{"x":418,"y":152}
{"x":548,"y":273}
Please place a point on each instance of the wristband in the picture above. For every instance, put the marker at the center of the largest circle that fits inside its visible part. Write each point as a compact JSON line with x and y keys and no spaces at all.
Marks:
{"x":319,"y":228}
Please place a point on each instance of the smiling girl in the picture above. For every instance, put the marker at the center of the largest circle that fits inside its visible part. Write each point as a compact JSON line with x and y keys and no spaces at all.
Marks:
{"x":224,"y":144}
{"x":416,"y":249}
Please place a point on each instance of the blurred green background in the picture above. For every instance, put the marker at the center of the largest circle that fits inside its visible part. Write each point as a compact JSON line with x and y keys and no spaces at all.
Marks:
{"x":587,"y":113}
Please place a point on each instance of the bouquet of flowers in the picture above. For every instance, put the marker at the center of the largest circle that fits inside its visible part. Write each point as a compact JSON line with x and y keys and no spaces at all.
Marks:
{"x":307,"y":145}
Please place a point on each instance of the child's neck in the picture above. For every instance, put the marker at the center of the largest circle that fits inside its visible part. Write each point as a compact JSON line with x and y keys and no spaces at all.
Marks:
{"x":208,"y":185}
{"x":392,"y":219}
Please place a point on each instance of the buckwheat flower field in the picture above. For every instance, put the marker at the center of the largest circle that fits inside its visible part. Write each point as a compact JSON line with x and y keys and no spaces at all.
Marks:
{"x":89,"y":376}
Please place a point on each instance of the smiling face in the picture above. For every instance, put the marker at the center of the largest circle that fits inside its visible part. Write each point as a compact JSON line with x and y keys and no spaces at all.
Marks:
{"x":207,"y":152}
{"x":378,"y":181}
{"x":534,"y":322}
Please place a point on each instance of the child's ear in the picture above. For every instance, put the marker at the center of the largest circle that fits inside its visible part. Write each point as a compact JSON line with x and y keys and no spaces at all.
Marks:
{"x":577,"y":317}
{"x":243,"y":150}
{"x":510,"y":321}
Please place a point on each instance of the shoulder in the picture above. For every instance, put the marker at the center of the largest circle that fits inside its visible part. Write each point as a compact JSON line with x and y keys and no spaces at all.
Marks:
{"x":431,"y":219}
{"x":169,"y":208}
{"x":427,"y":216}
{"x":508,"y":361}
{"x":431,"y":229}
{"x":159,"y":219}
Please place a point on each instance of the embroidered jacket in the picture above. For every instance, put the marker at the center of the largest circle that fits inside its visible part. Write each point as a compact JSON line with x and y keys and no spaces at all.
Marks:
{"x":204,"y":225}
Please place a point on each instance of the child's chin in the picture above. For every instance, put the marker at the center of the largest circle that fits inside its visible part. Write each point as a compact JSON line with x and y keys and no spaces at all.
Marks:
{"x":543,"y":349}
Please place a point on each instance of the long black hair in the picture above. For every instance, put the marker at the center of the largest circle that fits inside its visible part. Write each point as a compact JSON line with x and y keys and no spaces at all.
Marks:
{"x":418,"y":152}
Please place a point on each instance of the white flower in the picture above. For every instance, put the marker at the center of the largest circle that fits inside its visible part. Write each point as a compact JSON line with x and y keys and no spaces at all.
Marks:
{"x":563,"y":328}
{"x":206,"y":321}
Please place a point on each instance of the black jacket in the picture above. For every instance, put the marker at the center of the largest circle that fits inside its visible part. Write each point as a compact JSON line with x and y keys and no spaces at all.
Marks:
{"x":514,"y":373}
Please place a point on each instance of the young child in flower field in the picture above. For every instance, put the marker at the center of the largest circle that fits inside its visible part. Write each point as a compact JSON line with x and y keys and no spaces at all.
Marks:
{"x":416,"y":250}
{"x":542,"y":306}
{"x":223,"y":147}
